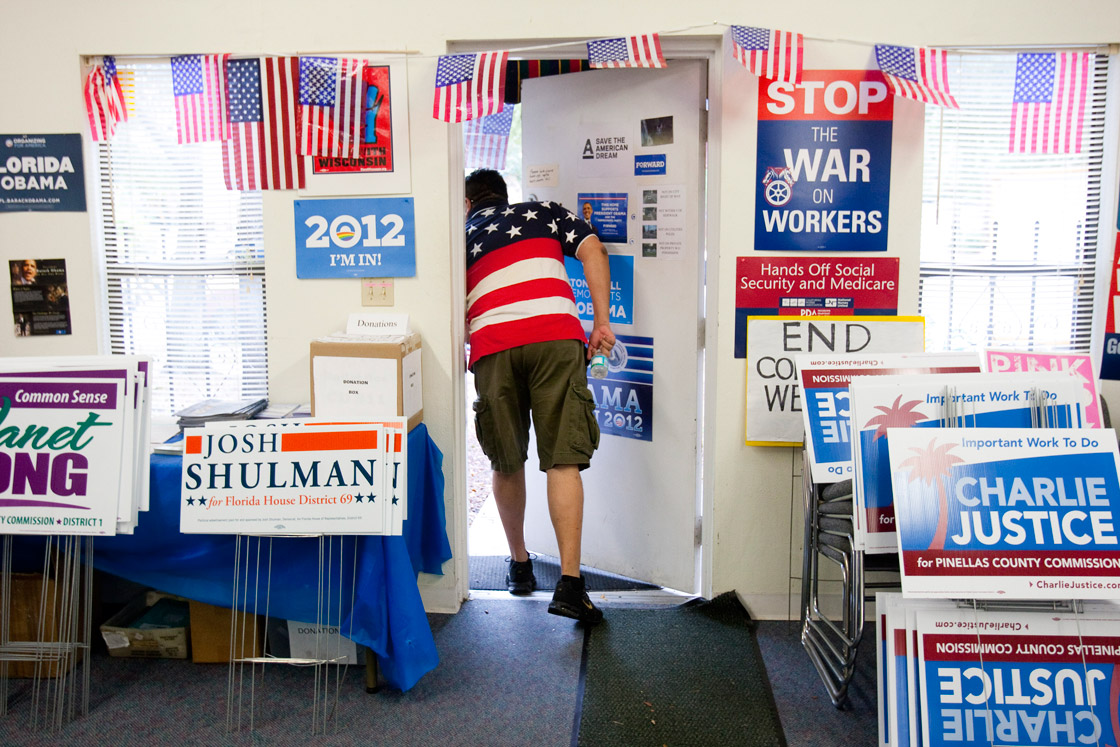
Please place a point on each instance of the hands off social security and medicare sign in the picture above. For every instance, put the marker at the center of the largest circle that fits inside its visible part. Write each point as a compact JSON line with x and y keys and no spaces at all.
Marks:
{"x":371,"y":237}
{"x":824,"y":163}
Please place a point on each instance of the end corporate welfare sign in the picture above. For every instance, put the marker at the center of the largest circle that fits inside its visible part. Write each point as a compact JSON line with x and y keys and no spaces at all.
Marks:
{"x":824,"y":163}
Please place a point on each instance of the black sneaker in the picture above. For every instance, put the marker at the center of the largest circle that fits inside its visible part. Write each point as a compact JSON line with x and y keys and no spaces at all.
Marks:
{"x":571,"y":600}
{"x":520,"y":578}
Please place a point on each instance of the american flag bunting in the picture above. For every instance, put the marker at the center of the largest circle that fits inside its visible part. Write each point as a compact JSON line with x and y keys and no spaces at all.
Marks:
{"x":485,"y":140}
{"x":769,"y":53}
{"x":630,"y":51}
{"x":469,"y":86}
{"x":198,"y":82}
{"x":104,"y":98}
{"x":261,"y":152}
{"x":917,"y":73}
{"x":1048,"y":107}
{"x":330,"y":106}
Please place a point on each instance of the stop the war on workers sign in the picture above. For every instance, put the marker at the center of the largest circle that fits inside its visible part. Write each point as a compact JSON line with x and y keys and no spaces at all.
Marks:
{"x":1007,"y":513}
{"x":823,"y":172}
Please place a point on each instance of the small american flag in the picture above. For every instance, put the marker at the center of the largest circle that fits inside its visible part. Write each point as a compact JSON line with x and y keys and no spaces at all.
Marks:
{"x":330,"y":106}
{"x":261,"y":152}
{"x":631,"y":51}
{"x":917,"y":73}
{"x":198,"y":82}
{"x":1048,"y":108}
{"x":469,"y":86}
{"x":769,"y":53}
{"x":485,"y":140}
{"x":104,"y":97}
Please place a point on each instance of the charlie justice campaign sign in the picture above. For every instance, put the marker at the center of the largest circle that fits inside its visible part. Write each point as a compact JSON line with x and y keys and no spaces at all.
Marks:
{"x":977,"y":400}
{"x":823,"y":168}
{"x":1008,"y":679}
{"x":1012,"y":513}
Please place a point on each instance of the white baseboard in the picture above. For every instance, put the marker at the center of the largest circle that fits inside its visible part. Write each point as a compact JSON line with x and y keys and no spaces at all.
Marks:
{"x":440,"y":600}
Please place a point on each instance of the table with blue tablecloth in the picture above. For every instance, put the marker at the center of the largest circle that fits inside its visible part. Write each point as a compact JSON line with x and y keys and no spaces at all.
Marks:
{"x":387,"y":613}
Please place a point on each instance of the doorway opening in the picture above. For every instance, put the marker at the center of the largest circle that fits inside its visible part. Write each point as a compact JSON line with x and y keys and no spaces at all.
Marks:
{"x":660,"y":238}
{"x":488,"y":550}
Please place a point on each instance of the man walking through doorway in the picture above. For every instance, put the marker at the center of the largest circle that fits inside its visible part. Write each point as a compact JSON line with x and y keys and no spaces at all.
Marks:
{"x":529,"y":355}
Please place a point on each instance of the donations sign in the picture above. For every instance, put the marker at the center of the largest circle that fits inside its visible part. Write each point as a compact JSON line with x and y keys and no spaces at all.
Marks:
{"x":1011,"y":513}
{"x":62,"y":454}
{"x":823,"y":169}
{"x":312,"y":478}
{"x":1004,"y":679}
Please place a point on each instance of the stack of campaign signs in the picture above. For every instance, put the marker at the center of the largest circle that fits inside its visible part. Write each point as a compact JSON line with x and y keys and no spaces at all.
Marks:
{"x":73,"y":444}
{"x":932,"y":401}
{"x":1002,"y":499}
{"x":952,"y":674}
{"x":295,"y":477}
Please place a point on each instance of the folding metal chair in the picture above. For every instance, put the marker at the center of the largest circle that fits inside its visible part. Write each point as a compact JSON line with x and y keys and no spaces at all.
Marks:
{"x":829,"y":533}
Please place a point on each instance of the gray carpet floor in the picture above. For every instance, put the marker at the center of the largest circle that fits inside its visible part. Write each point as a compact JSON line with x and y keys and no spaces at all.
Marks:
{"x":509,"y":675}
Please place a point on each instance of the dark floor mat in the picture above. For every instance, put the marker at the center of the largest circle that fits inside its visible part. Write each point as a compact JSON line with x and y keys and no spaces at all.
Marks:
{"x":488,"y":573}
{"x":688,"y":675}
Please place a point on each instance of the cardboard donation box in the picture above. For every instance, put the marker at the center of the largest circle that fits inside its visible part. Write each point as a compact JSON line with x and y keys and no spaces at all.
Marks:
{"x":359,"y":378}
{"x":30,"y":621}
{"x":154,"y":625}
{"x":210,"y":634}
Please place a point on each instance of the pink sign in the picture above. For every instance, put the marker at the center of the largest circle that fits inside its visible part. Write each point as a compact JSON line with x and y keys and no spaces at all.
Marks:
{"x":1001,"y":361}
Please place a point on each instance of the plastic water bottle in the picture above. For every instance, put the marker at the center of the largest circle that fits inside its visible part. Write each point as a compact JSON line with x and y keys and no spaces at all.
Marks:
{"x":598,"y":366}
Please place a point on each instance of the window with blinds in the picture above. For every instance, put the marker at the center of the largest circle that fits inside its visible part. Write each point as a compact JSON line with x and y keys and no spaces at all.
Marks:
{"x":1008,"y":247}
{"x":183,"y":257}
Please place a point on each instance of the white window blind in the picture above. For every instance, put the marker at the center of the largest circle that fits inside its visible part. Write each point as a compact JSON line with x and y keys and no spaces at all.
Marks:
{"x":183,"y":256}
{"x":1008,"y":250}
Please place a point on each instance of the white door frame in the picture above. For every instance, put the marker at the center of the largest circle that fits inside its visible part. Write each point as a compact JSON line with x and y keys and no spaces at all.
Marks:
{"x":711,"y":50}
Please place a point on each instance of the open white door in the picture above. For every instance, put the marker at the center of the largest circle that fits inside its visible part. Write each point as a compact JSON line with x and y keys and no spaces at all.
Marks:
{"x":630,"y":143}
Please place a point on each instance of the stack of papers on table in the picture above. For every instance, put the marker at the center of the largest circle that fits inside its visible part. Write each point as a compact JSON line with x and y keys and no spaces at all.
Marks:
{"x":211,"y":410}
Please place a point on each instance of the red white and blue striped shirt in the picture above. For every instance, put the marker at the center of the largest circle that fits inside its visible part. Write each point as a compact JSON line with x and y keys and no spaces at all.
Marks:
{"x":518,"y":291}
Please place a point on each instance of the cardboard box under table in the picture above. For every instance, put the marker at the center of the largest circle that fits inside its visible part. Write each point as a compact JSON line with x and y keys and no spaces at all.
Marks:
{"x":31,"y":621}
{"x":359,"y":378}
{"x":211,"y":631}
{"x":153,"y":625}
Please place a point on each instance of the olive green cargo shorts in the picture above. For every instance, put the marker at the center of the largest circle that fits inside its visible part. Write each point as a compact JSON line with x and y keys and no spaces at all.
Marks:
{"x":547,"y":380}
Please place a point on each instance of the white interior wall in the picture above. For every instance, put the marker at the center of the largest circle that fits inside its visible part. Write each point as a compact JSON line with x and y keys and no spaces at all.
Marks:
{"x":751,"y":486}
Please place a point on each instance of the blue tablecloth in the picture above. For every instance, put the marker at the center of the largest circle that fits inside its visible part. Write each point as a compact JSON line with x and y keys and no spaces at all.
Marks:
{"x":387,"y":615}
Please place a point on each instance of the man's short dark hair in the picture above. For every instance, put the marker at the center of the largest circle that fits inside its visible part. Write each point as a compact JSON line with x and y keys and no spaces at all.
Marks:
{"x":486,"y":185}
